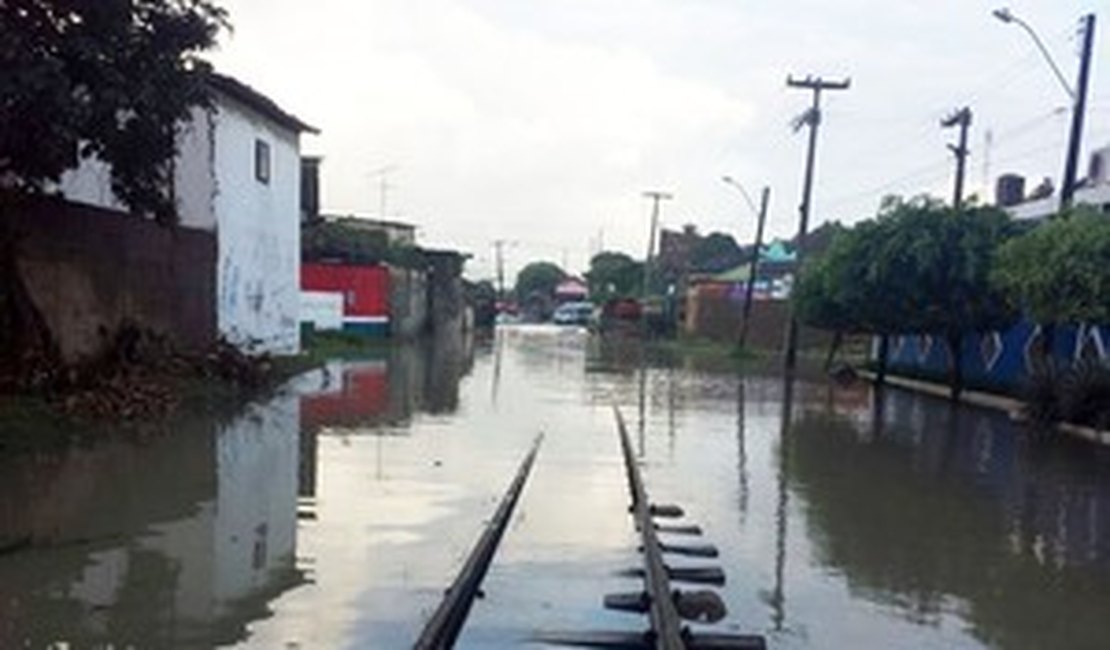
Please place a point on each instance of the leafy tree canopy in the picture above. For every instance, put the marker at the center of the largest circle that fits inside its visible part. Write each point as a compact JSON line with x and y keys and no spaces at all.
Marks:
{"x":1060,"y":270}
{"x":614,"y":275}
{"x":113,"y":79}
{"x":538,"y":278}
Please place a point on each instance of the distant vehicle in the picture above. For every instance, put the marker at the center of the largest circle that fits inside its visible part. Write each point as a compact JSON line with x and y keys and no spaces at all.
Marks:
{"x":573,"y":313}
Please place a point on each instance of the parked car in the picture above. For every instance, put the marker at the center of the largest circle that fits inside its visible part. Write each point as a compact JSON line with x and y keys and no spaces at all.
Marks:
{"x":573,"y":313}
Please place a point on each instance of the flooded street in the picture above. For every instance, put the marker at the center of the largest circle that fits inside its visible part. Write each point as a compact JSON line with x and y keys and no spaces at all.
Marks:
{"x":333,"y":514}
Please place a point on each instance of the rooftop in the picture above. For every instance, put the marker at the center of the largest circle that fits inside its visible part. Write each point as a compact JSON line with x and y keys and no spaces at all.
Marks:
{"x":258,"y":102}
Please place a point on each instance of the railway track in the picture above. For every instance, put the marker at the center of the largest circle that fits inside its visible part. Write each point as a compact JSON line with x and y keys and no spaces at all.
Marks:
{"x":444,"y":626}
{"x":667,"y":608}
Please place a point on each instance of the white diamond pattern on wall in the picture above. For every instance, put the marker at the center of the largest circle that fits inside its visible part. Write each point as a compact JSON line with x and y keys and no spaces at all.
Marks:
{"x":990,"y":349}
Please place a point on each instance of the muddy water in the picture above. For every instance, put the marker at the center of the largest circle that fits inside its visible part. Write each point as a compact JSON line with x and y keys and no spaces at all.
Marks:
{"x":333,"y":514}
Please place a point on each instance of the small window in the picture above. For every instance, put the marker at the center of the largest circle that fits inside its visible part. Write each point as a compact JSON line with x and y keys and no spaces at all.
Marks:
{"x":262,"y":161}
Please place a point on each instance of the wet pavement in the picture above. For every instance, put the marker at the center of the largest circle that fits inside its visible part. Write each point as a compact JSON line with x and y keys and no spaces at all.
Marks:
{"x":332,"y":514}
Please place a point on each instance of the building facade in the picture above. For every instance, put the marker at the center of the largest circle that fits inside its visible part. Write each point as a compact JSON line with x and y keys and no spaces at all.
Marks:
{"x":237,"y":174}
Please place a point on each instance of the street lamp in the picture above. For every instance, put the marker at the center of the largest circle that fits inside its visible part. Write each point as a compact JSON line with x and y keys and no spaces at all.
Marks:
{"x":761,"y":214}
{"x":1078,"y":94}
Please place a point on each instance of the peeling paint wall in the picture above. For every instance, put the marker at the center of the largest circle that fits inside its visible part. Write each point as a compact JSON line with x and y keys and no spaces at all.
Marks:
{"x":257,"y":223}
{"x":258,"y":228}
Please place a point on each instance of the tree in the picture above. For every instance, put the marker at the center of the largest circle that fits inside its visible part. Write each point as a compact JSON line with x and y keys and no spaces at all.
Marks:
{"x":111,"y":79}
{"x":114,"y":79}
{"x":538,"y":279}
{"x":918,"y":267}
{"x":1059,"y":272}
{"x":938,"y":263}
{"x":614,"y":275}
{"x":841,"y":291}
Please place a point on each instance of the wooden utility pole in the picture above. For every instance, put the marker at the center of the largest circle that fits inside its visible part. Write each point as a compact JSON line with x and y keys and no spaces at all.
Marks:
{"x":962,"y":119}
{"x":499,"y":256}
{"x":812,"y":118}
{"x":1071,"y":165}
{"x":753,"y":272}
{"x":656,"y":197}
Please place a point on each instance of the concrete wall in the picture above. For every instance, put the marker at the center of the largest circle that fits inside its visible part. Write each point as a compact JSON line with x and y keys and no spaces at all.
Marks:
{"x":716,"y":313}
{"x":997,"y":360}
{"x":89,"y":270}
{"x":258,"y":283}
{"x":408,"y":302}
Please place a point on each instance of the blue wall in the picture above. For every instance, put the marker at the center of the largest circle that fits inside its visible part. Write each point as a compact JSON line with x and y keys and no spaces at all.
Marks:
{"x":996,"y":360}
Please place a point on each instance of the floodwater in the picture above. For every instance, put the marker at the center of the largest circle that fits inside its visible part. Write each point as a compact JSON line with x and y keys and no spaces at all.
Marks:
{"x":333,"y":514}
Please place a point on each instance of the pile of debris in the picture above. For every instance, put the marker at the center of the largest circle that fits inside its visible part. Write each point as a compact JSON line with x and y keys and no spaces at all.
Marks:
{"x":136,"y":378}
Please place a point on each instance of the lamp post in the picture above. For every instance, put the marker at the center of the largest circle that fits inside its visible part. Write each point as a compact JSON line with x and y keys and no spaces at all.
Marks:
{"x":1078,"y":94}
{"x":761,"y":215}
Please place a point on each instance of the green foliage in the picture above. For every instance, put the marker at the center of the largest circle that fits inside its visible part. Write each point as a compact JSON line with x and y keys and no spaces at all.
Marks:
{"x":538,"y":278}
{"x":1060,"y":271}
{"x":614,"y":275}
{"x":336,"y":240}
{"x":938,"y":263}
{"x":918,"y":268}
{"x":113,"y":79}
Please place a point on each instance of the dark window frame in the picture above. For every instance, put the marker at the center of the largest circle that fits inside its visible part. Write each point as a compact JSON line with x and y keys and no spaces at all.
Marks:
{"x":262,"y":161}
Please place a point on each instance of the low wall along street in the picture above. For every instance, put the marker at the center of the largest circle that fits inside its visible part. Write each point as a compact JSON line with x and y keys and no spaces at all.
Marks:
{"x":715,"y":312}
{"x":90,"y":270}
{"x":1000,"y":361}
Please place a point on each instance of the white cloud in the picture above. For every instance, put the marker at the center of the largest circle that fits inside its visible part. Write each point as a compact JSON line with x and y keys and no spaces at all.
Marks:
{"x":543,"y":122}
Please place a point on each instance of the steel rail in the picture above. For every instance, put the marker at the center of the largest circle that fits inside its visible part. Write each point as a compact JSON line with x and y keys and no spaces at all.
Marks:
{"x":445,"y":624}
{"x":666,"y":625}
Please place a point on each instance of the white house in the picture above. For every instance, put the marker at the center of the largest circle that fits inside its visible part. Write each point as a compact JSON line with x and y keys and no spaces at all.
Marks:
{"x":237,"y":174}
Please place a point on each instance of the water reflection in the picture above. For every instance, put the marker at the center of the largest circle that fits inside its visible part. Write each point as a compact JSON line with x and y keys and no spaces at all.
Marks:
{"x":932,"y":509}
{"x":185,"y":539}
{"x":175,"y":542}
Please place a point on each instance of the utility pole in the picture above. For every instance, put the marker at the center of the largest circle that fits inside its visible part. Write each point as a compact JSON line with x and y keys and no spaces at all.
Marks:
{"x":499,"y":254}
{"x":1071,"y":166}
{"x":812,"y":118}
{"x":753,"y":271}
{"x":656,"y":197}
{"x":962,"y":119}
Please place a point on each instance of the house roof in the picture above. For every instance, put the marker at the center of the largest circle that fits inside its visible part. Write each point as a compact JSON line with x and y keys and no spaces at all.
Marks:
{"x":367,"y":222}
{"x":258,"y":102}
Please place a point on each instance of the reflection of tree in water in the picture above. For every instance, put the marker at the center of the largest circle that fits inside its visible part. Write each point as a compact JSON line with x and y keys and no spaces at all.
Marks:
{"x":902,"y":517}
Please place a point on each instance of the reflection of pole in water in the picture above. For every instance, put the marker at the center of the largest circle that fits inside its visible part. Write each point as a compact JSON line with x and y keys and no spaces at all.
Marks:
{"x":778,"y":598}
{"x":498,"y":345}
{"x":642,"y":406}
{"x":741,"y":448}
{"x":670,"y":410}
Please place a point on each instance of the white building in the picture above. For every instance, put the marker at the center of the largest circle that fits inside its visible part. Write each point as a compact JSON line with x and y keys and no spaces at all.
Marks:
{"x":238,"y":175}
{"x":1094,"y":190}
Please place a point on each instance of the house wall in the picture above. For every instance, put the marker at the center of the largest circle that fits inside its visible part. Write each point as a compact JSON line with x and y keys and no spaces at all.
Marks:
{"x":258,"y":284}
{"x":89,"y":270}
{"x":90,"y":182}
{"x":365,"y":291}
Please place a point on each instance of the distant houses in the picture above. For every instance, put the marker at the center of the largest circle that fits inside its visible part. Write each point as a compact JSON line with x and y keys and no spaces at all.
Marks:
{"x":237,"y":176}
{"x":369,"y":277}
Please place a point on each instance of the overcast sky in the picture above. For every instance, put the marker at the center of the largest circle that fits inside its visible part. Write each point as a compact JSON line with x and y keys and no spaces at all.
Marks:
{"x":542,"y":122}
